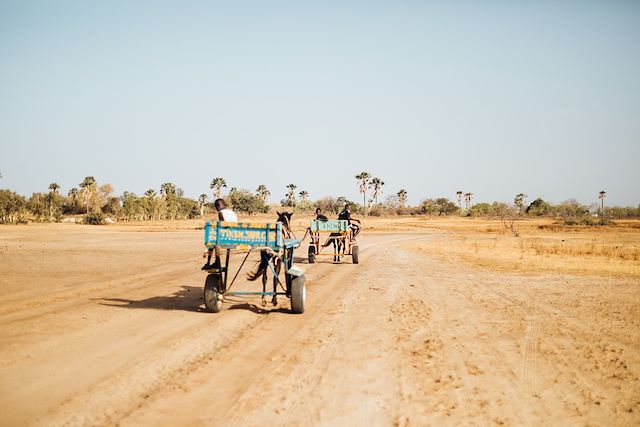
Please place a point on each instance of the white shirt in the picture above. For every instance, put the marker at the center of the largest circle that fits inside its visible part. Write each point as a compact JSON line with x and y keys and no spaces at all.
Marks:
{"x":229,"y":215}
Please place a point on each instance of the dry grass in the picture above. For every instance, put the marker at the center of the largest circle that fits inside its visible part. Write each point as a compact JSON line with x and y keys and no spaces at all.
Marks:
{"x":542,"y":247}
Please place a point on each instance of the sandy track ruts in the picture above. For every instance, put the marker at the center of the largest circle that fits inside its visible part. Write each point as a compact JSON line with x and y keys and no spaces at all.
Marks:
{"x":401,"y":339}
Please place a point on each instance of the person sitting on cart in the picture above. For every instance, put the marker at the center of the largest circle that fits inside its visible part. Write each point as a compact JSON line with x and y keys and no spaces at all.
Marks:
{"x":320,"y":216}
{"x":224,"y":214}
{"x":346,"y":215}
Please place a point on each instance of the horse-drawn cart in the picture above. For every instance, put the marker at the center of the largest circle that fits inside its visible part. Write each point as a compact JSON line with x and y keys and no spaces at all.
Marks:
{"x":340,"y":237}
{"x":223,"y":238}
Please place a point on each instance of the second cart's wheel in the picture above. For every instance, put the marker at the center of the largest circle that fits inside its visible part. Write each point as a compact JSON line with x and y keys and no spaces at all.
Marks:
{"x":312,"y":254}
{"x":298,"y":295}
{"x":212,"y":296}
{"x":354,"y":254}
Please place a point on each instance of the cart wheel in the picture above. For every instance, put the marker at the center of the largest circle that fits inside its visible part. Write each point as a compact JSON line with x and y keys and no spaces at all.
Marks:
{"x":354,"y":254}
{"x":212,"y":297}
{"x":312,"y":254}
{"x":298,"y":295}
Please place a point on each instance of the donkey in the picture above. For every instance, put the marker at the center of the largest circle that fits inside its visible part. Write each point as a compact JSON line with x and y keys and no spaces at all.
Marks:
{"x":338,"y":243}
{"x":265,"y":258}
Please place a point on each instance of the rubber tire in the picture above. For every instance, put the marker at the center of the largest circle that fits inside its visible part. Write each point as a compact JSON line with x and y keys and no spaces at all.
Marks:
{"x":312,"y":254}
{"x":298,"y":295}
{"x":355,"y":251}
{"x":212,"y":302}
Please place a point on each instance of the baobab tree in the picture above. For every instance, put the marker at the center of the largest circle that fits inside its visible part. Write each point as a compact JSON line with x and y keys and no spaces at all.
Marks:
{"x":376,"y":185}
{"x":363,"y":182}
{"x":519,"y":201}
{"x":467,"y":200}
{"x":202,"y":199}
{"x":304,"y":196}
{"x":459,"y":197}
{"x":263,"y":193}
{"x":402,"y":197}
{"x":601,"y":196}
{"x":217,"y":184}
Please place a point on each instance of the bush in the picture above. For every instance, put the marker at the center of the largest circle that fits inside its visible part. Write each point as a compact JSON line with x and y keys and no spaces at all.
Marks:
{"x":377,"y":211}
{"x":588,"y":221}
{"x":538,"y":208}
{"x":95,"y":218}
{"x":113,"y":207}
{"x":247,"y":202}
{"x":570,"y":209}
{"x":440,"y":206}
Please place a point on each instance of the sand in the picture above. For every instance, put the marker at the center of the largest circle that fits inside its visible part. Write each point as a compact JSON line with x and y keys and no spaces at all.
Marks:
{"x":105,"y":326}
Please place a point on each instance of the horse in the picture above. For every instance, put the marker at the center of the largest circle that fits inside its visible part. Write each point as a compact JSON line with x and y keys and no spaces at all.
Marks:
{"x":265,"y":258}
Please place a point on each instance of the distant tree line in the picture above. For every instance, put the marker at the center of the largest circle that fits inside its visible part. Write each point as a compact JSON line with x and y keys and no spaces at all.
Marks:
{"x":97,"y":204}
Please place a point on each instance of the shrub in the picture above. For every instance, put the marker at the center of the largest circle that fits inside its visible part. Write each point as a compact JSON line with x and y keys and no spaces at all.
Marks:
{"x":539,"y":208}
{"x":439,"y":206}
{"x":247,"y":202}
{"x":95,"y":218}
{"x":378,"y":211}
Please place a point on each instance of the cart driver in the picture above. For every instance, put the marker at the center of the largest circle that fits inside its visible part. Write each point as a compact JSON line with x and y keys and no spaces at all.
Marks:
{"x":320,"y":216}
{"x":346,"y":215}
{"x":224,"y":213}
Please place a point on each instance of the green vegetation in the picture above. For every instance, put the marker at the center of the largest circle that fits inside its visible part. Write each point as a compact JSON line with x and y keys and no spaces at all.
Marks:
{"x":246,"y":202}
{"x":98,"y":205}
{"x":96,"y":218}
{"x":439,"y":206}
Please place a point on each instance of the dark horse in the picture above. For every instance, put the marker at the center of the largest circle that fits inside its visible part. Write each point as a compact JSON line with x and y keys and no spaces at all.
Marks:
{"x":339,"y":245}
{"x":265,"y":258}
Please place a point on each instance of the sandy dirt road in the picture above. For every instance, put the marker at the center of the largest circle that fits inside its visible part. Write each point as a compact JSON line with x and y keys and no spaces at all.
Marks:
{"x":104,"y":326}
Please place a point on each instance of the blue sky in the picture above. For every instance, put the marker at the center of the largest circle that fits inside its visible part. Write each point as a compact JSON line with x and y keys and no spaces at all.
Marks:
{"x":494,"y":98}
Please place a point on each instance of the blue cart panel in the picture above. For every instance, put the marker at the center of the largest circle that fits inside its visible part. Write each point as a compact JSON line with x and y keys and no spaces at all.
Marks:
{"x":333,"y":225}
{"x":238,"y":234}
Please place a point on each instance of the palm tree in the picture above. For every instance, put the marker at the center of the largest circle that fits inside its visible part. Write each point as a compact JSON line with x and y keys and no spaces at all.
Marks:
{"x":601,"y":196}
{"x":217,"y":184}
{"x":202,"y":199}
{"x":467,"y":199}
{"x":363,"y":181}
{"x":459,"y":197}
{"x":263,"y":193}
{"x":291,"y":195}
{"x":376,"y":185}
{"x":54,"y":187}
{"x":88,"y":186}
{"x":304,"y":195}
{"x":402,"y":197}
